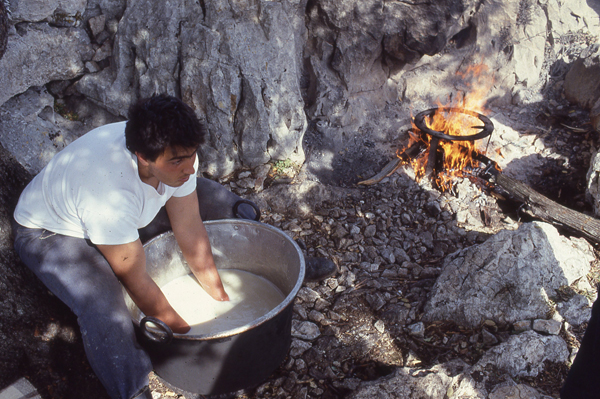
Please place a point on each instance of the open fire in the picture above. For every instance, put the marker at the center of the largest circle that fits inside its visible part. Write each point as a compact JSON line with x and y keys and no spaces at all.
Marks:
{"x":449,"y":136}
{"x":445,"y":154}
{"x":446,"y":142}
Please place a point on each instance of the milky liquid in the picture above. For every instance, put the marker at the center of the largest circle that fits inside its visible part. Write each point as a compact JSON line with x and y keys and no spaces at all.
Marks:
{"x":250,"y":297}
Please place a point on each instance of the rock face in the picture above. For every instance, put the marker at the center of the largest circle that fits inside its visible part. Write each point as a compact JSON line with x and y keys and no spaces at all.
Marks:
{"x":60,"y":12}
{"x":31,"y":129}
{"x":41,"y":54}
{"x":3,"y":28}
{"x":582,"y":84}
{"x":510,"y":277}
{"x":238,"y":68}
{"x":326,"y":82}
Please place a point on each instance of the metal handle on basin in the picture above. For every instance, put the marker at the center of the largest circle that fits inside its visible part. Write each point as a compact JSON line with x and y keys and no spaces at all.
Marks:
{"x":236,"y":207}
{"x":163,"y":337}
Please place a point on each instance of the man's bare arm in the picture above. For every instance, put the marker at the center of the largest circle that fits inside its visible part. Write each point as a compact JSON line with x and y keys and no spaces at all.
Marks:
{"x":128,"y":261}
{"x":192,"y":238}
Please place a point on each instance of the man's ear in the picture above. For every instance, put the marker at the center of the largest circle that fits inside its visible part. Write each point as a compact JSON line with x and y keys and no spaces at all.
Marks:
{"x":141,"y":159}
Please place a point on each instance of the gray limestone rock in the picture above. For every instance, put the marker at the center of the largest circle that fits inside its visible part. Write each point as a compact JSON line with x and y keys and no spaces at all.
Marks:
{"x":550,"y":327}
{"x":97,"y":24}
{"x":32,"y":131}
{"x":516,"y":391}
{"x":245,"y":80}
{"x":508,"y":278}
{"x":38,"y":53}
{"x":406,"y":383}
{"x":3,"y":28}
{"x":145,"y":53}
{"x":582,"y":83}
{"x":298,"y":347}
{"x":593,"y":182}
{"x":305,"y":330}
{"x":56,"y":11}
{"x":112,"y":9}
{"x":523,"y":355}
{"x":417,"y":330}
{"x":576,"y":310}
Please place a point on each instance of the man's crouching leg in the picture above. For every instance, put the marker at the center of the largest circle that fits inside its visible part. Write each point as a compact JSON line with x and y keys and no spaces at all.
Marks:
{"x":75,"y":271}
{"x":217,"y":202}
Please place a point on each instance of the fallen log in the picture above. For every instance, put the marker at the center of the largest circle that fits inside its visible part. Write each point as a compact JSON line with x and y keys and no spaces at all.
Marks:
{"x":542,"y":207}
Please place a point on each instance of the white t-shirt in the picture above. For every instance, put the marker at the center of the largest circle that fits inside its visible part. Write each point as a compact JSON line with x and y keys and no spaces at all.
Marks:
{"x":92,"y":189}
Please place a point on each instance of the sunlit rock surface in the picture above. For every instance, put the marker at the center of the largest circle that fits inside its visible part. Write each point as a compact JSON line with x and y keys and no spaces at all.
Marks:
{"x":510,"y":277}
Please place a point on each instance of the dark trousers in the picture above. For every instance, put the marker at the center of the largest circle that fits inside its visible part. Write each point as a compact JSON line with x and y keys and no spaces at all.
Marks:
{"x":583,"y":380}
{"x":77,"y":273}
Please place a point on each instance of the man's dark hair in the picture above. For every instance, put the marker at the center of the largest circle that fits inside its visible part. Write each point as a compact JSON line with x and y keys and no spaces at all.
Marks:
{"x":159,"y":122}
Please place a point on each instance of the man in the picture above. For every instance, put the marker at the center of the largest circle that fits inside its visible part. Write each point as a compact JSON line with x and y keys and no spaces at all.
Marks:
{"x":581,"y":382}
{"x":80,"y":226}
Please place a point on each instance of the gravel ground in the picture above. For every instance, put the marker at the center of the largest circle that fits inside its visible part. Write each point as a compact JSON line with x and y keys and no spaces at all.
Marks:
{"x":389,"y":241}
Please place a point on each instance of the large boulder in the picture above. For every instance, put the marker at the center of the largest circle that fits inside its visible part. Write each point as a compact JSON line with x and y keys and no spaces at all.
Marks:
{"x":32,"y":130}
{"x":238,"y":67}
{"x":524,"y":355}
{"x":582,"y":83}
{"x":510,"y":277}
{"x":58,"y":12}
{"x":39,"y":53}
{"x":436,"y":382}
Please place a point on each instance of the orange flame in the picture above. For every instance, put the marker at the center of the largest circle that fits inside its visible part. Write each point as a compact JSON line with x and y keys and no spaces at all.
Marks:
{"x":458,"y":155}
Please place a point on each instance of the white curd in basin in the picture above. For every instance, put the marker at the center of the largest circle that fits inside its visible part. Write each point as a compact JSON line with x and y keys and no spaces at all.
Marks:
{"x":250,"y":297}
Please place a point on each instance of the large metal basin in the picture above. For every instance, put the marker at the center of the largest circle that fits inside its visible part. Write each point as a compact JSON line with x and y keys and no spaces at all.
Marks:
{"x":226,"y":361}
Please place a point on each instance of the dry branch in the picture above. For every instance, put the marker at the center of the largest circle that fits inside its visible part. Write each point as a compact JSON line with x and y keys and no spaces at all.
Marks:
{"x":539,"y":206}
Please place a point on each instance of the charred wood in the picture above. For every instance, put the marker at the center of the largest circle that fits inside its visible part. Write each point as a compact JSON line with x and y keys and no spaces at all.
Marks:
{"x":541,"y":207}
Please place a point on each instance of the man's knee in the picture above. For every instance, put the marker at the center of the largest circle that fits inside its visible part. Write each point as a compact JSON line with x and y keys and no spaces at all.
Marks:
{"x":217,"y":202}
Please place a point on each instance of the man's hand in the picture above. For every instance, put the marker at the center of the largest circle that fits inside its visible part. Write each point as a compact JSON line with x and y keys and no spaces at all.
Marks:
{"x":192,"y":238}
{"x":128,"y":261}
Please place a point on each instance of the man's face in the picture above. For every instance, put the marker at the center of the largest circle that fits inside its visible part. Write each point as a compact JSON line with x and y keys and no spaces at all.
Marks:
{"x":174,"y":167}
